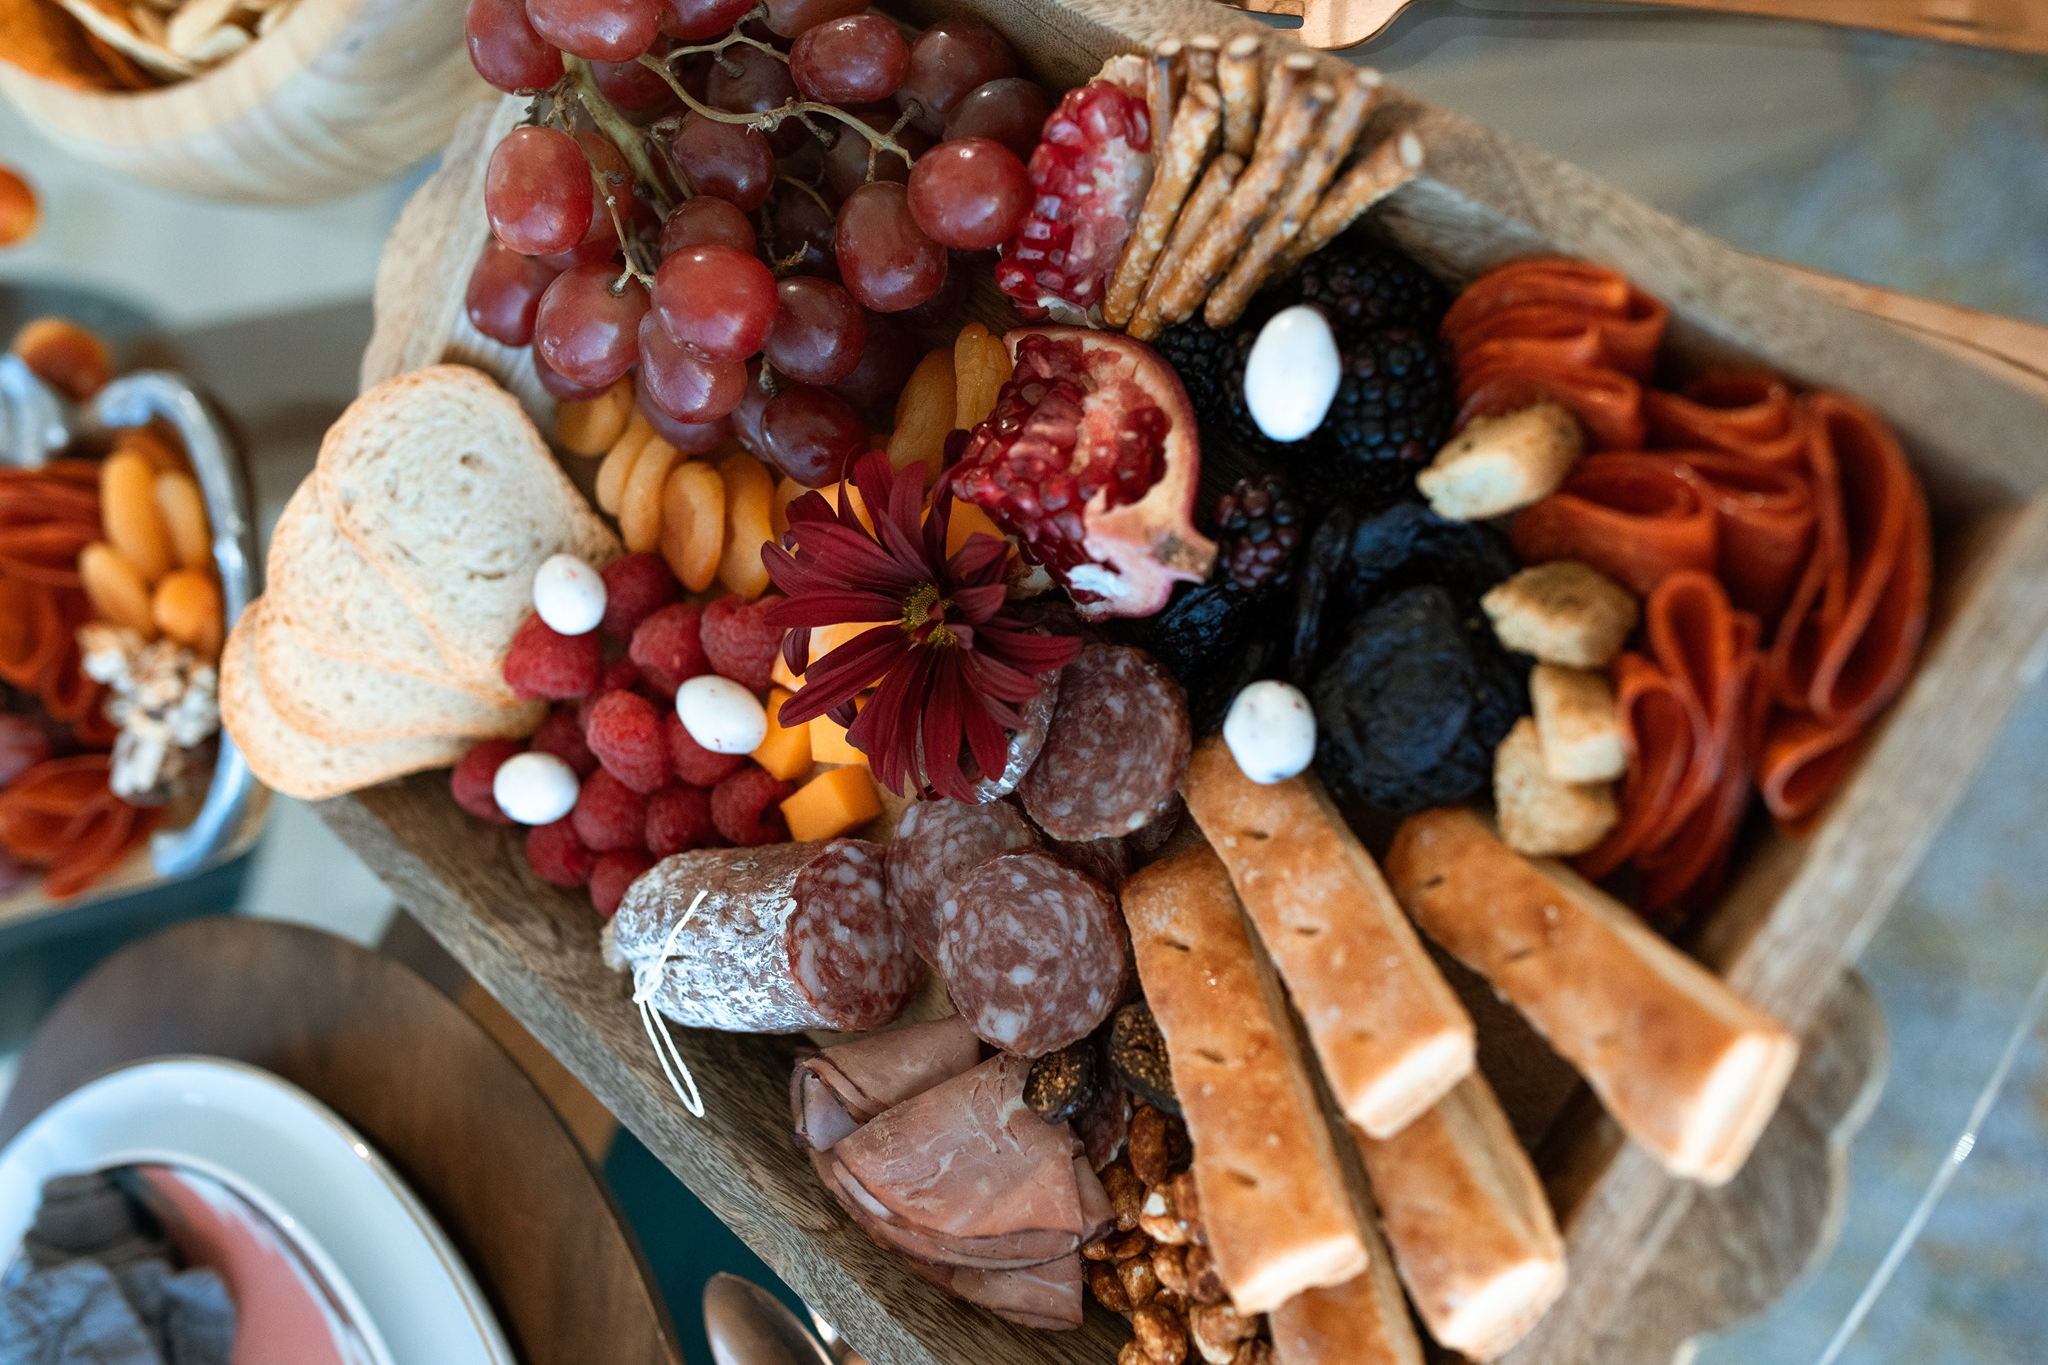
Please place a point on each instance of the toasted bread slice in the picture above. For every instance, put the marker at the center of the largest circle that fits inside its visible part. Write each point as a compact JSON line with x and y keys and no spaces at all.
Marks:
{"x":442,"y":483}
{"x":1563,"y":612}
{"x":1388,"y":1030}
{"x":295,"y":763}
{"x":1498,"y":465}
{"x":1579,"y":721}
{"x":1539,"y":815}
{"x":1361,"y":1322}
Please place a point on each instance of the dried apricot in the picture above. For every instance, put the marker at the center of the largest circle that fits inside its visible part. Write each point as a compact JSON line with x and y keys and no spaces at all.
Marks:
{"x":155,"y":443}
{"x":981,"y":366}
{"x":129,"y":515}
{"x":786,"y":492}
{"x":618,"y":462}
{"x":187,"y":608}
{"x":118,"y":592}
{"x":749,"y":524}
{"x":65,"y":356}
{"x":640,"y":504}
{"x":693,"y":523}
{"x":591,"y":426}
{"x":184,"y":512}
{"x":924,"y":415}
{"x":20,"y":210}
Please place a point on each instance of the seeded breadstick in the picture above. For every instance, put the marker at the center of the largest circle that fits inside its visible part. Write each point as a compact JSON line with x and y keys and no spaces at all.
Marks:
{"x":1162,"y":82}
{"x":1283,"y":142}
{"x":1202,"y":55}
{"x":1297,"y":204}
{"x":1210,"y":191}
{"x":1372,"y":177}
{"x":1237,"y":76}
{"x":1187,"y":148}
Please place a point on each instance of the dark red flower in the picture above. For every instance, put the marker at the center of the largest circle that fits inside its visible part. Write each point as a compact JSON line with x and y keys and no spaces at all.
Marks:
{"x":949,"y":665}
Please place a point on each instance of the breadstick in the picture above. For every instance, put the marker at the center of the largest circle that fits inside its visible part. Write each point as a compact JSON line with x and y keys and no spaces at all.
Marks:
{"x":1173,"y":174}
{"x":1237,"y":75}
{"x":1210,"y":191}
{"x":1202,"y":54}
{"x":1282,"y":145}
{"x":1333,"y":143}
{"x":1161,"y":77}
{"x":1372,"y":177}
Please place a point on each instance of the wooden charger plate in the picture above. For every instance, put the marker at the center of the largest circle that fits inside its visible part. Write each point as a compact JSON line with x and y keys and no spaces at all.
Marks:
{"x":1797,"y":912}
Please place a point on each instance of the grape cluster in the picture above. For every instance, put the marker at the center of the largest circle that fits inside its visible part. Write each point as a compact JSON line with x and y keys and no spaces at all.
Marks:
{"x":746,"y":206}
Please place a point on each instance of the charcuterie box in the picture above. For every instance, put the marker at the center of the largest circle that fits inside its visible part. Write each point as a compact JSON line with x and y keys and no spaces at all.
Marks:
{"x":1796,"y":913}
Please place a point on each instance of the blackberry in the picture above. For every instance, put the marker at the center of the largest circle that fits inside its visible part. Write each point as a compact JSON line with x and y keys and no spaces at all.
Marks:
{"x":1363,"y":286}
{"x":1260,"y":527}
{"x":1208,"y":362}
{"x":1392,"y":411}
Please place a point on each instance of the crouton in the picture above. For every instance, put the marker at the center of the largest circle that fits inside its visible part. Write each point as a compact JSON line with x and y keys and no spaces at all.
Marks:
{"x":1579,"y":722}
{"x":1563,"y":612}
{"x":1540,"y":816}
{"x":1498,"y":465}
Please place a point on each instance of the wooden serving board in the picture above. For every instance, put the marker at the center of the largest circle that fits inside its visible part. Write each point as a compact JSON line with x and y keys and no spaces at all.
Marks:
{"x":1798,"y":912}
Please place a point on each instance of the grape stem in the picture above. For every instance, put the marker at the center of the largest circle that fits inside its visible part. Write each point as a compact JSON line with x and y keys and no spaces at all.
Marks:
{"x":729,"y":40}
{"x":770,"y":119}
{"x":583,"y":85}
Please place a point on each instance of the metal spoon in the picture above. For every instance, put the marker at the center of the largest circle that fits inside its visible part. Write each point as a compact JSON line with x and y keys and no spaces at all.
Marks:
{"x":748,"y":1325}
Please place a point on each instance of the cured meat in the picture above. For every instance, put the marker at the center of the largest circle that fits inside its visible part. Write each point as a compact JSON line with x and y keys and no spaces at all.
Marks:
{"x":937,"y":841}
{"x":1046,"y":1297}
{"x":1025,"y":741}
{"x":1107,"y":861}
{"x":839,"y":1089}
{"x":1635,"y":517}
{"x":787,"y":937}
{"x":61,"y":816}
{"x":1556,"y":306}
{"x":1764,"y":526}
{"x":1741,"y":412}
{"x":1116,"y":751}
{"x":1033,"y":952}
{"x":1608,"y":403}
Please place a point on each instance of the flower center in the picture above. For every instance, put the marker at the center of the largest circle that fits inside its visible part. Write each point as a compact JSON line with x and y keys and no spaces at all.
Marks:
{"x":924,"y":613}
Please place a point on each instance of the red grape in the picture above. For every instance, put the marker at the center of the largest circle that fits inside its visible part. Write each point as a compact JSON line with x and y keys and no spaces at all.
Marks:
{"x":746,"y":418}
{"x":704,"y":219}
{"x":746,"y":80}
{"x":886,"y":361}
{"x":562,"y":390}
{"x":943,"y":307}
{"x":886,"y":260}
{"x":717,"y":301}
{"x":728,"y":161}
{"x":970,"y":194}
{"x":1011,"y":110}
{"x":856,"y":60}
{"x":812,"y":434}
{"x":788,"y":18}
{"x":682,"y":384}
{"x":505,"y":50}
{"x":692,"y":438}
{"x":504,"y":293}
{"x":819,"y":331}
{"x":597,"y":30}
{"x":585,"y":329}
{"x":537,"y":191}
{"x":699,"y":21}
{"x":633,"y":88}
{"x":800,"y":226}
{"x":846,"y":160}
{"x":947,"y":61}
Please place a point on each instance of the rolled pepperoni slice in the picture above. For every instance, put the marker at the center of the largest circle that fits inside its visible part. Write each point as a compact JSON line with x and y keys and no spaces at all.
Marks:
{"x":1741,"y":412}
{"x":1117,"y":749}
{"x":1608,"y":403}
{"x":1033,"y":952}
{"x":1637,"y":518}
{"x":1546,"y":297}
{"x":937,"y":842}
{"x":1764,"y":522}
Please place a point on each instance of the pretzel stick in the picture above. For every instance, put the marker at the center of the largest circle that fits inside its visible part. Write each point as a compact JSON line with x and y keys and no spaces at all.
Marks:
{"x":1174,"y":169}
{"x":1377,"y":174}
{"x":1210,"y":191}
{"x":1237,"y":75}
{"x":1162,"y":75}
{"x":1297,"y":203}
{"x":1202,"y":53}
{"x":1283,"y":142}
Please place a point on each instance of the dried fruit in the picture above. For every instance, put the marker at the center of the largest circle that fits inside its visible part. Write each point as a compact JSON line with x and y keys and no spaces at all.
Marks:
{"x":1063,"y":1083}
{"x":1138,"y":1053}
{"x":66,"y":356}
{"x":1089,"y":174}
{"x":473,"y":776}
{"x":1260,"y":526}
{"x":1091,"y":459}
{"x":693,"y":523}
{"x":20,"y":210}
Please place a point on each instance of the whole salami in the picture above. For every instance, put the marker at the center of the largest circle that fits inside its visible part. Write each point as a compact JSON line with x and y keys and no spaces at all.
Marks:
{"x":1033,"y":952}
{"x":937,"y":841}
{"x":787,"y":937}
{"x":1117,"y":750}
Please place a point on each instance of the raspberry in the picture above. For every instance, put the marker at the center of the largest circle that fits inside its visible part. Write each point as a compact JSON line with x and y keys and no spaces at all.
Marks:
{"x":625,"y":734}
{"x":471,"y":781}
{"x":614,"y":874}
{"x":693,"y":763}
{"x":561,"y":734}
{"x":620,"y":675}
{"x":668,"y":647}
{"x":739,"y":642}
{"x":609,"y":815}
{"x":635,"y":588}
{"x":746,"y":807}
{"x":678,"y":820}
{"x":555,"y":667}
{"x":556,"y":855}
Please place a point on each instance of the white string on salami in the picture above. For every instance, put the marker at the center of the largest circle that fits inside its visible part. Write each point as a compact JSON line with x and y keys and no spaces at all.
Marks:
{"x":647,"y":977}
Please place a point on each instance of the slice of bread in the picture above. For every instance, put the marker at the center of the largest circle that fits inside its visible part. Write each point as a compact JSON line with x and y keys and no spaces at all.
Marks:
{"x":1563,"y":612}
{"x":295,"y":763}
{"x":1540,"y":816}
{"x":442,"y":483}
{"x":340,"y":702}
{"x":1498,"y":465}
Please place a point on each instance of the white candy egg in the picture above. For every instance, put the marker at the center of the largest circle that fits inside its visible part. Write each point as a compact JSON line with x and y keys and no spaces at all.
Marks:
{"x":535,"y":788}
{"x":1271,"y":731}
{"x":1291,"y":376}
{"x":721,"y":715}
{"x":569,"y":595}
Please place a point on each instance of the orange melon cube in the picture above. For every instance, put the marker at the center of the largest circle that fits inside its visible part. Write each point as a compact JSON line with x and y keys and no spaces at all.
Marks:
{"x":968,"y":519}
{"x":786,"y":752}
{"x":830,"y":804}
{"x":829,"y":743}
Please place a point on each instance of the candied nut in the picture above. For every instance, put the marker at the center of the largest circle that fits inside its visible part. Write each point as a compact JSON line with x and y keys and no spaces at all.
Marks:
{"x":1217,"y":1328}
{"x":1158,"y":1220}
{"x":1148,"y":1147}
{"x":1108,"y":1287}
{"x":1204,"y":1284}
{"x":1131,"y":1353}
{"x":1141,"y":1283}
{"x":1187,"y":1204}
{"x":1161,"y":1335}
{"x":1097,"y":1250}
{"x":1126,"y":1195}
{"x":1125,"y":1245}
{"x":1254,"y":1352}
{"x":1170,"y":1264}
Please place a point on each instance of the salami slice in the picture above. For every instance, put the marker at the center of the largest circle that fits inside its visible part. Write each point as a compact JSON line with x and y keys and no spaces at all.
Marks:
{"x":1104,"y":860}
{"x":787,"y":937}
{"x":938,"y":841}
{"x":1033,"y":952}
{"x":1025,"y":742}
{"x":1117,"y":750}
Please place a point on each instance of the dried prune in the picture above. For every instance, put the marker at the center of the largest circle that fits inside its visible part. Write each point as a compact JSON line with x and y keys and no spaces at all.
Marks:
{"x":1410,"y":710}
{"x":1214,"y":639}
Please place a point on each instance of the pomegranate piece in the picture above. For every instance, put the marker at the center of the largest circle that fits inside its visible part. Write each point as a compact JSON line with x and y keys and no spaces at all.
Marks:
{"x":1091,"y":459}
{"x":1089,"y":174}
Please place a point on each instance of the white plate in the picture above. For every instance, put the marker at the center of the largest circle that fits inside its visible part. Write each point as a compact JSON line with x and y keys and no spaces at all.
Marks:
{"x":295,"y":1160}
